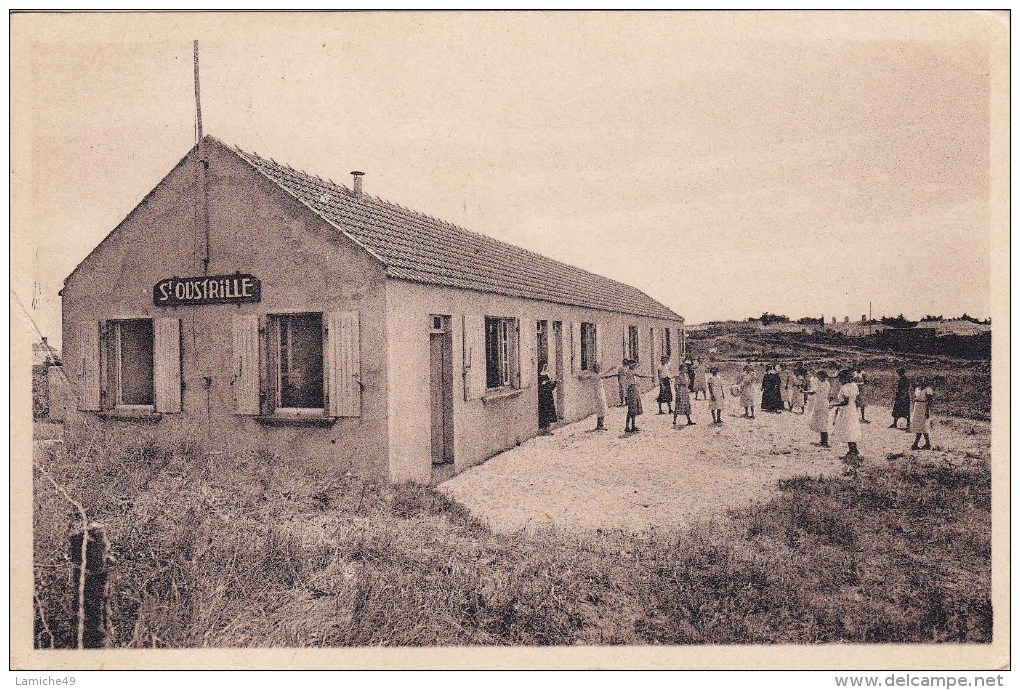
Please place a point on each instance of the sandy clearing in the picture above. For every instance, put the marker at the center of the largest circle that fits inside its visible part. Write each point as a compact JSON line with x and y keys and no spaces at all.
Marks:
{"x":667,"y":477}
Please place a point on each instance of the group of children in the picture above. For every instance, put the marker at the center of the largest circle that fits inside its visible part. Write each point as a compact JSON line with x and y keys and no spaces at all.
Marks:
{"x":781,"y":389}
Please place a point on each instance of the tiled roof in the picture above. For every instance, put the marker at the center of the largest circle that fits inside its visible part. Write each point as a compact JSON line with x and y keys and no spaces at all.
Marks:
{"x":419,"y":248}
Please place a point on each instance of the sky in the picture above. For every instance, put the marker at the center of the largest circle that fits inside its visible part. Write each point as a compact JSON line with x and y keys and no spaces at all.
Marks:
{"x":725,"y":163}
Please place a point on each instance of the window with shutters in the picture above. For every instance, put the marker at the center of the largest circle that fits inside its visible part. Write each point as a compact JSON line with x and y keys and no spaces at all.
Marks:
{"x":131,"y":342}
{"x":501,"y":352}
{"x":298,"y":356}
{"x":588,"y":350}
{"x":632,"y":342}
{"x":667,"y":345}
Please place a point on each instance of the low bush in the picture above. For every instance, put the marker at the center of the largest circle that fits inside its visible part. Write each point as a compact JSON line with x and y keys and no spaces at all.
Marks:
{"x":214,"y":550}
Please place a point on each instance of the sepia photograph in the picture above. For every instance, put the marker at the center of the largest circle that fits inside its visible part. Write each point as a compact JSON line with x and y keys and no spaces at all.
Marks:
{"x":573,"y":340}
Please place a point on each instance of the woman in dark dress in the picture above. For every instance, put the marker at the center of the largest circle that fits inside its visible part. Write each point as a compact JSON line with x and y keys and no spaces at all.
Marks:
{"x":665,"y":386}
{"x":546,"y":401}
{"x":901,"y":403}
{"x":771,"y":391}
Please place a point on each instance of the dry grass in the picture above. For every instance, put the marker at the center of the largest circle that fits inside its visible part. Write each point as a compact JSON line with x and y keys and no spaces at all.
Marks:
{"x":259,"y":551}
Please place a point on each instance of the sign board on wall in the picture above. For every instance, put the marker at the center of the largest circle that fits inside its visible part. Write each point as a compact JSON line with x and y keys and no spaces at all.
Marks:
{"x":231,"y":289}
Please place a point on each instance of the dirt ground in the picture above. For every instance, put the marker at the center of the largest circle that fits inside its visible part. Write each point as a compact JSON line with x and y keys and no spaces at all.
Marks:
{"x":665,"y":477}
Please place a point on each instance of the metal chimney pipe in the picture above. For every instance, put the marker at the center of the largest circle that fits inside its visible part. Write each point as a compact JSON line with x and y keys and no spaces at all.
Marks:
{"x":357,"y":175}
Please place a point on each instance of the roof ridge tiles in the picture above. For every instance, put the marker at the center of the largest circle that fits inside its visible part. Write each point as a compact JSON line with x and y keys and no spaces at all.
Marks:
{"x":418,"y":246}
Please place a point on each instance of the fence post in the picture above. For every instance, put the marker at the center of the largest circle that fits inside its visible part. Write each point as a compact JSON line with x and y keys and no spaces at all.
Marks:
{"x":90,"y":583}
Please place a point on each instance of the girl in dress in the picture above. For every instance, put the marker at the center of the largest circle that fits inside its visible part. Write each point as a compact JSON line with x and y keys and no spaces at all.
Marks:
{"x":847,"y":425}
{"x":784,"y":385}
{"x":700,"y":380}
{"x":795,"y":391}
{"x":594,"y":378}
{"x":716,"y":395}
{"x":920,"y":414}
{"x":633,"y":396}
{"x":862,"y":397}
{"x":748,"y":391}
{"x":665,"y":386}
{"x":682,"y":404}
{"x":901,"y":403}
{"x":817,"y":408}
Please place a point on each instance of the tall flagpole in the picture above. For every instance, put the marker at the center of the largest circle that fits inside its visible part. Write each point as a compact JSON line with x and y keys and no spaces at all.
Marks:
{"x":198,"y":101}
{"x":203,"y":194}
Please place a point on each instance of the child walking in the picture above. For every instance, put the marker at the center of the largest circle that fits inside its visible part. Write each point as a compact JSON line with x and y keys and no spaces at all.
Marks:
{"x":716,"y":394}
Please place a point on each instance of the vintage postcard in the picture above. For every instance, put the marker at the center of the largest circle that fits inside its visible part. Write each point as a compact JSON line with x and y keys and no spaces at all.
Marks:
{"x":517,"y":340}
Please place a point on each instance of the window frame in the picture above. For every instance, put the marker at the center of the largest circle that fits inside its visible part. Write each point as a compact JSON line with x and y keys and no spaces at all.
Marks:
{"x":276,"y":378}
{"x":114,"y":330}
{"x":633,"y":342}
{"x":507,"y":350}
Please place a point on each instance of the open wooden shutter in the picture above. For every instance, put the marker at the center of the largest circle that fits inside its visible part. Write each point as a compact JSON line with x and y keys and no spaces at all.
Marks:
{"x":166,"y":364}
{"x":269,"y":372}
{"x":600,"y":339}
{"x":474,"y":356}
{"x":575,"y":347}
{"x":653,"y":363}
{"x":90,"y":388}
{"x":343,"y":381}
{"x":247,"y":378}
{"x":528,"y":352}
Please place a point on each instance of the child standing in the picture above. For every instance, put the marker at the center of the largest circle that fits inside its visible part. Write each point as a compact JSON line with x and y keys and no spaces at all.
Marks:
{"x":748,"y":391}
{"x":795,"y":390}
{"x":901,"y":403}
{"x":784,"y":385}
{"x":862,"y":386}
{"x":818,"y":407}
{"x":716,"y":394}
{"x":920,"y":414}
{"x":847,"y":425}
{"x":682,"y":404}
{"x":665,"y":385}
{"x":700,"y":380}
{"x":598,"y":394}
{"x":634,"y":407}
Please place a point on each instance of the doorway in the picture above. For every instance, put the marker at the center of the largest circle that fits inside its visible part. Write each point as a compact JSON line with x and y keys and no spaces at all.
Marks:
{"x":441,"y":389}
{"x":558,"y":353}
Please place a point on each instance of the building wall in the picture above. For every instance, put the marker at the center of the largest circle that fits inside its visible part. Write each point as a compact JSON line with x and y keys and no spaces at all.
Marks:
{"x":483,"y":429}
{"x":303,"y":265}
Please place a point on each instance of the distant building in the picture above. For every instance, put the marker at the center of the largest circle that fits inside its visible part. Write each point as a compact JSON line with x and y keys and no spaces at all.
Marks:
{"x":955,"y":326}
{"x":855,"y":329}
{"x":784,"y":327}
